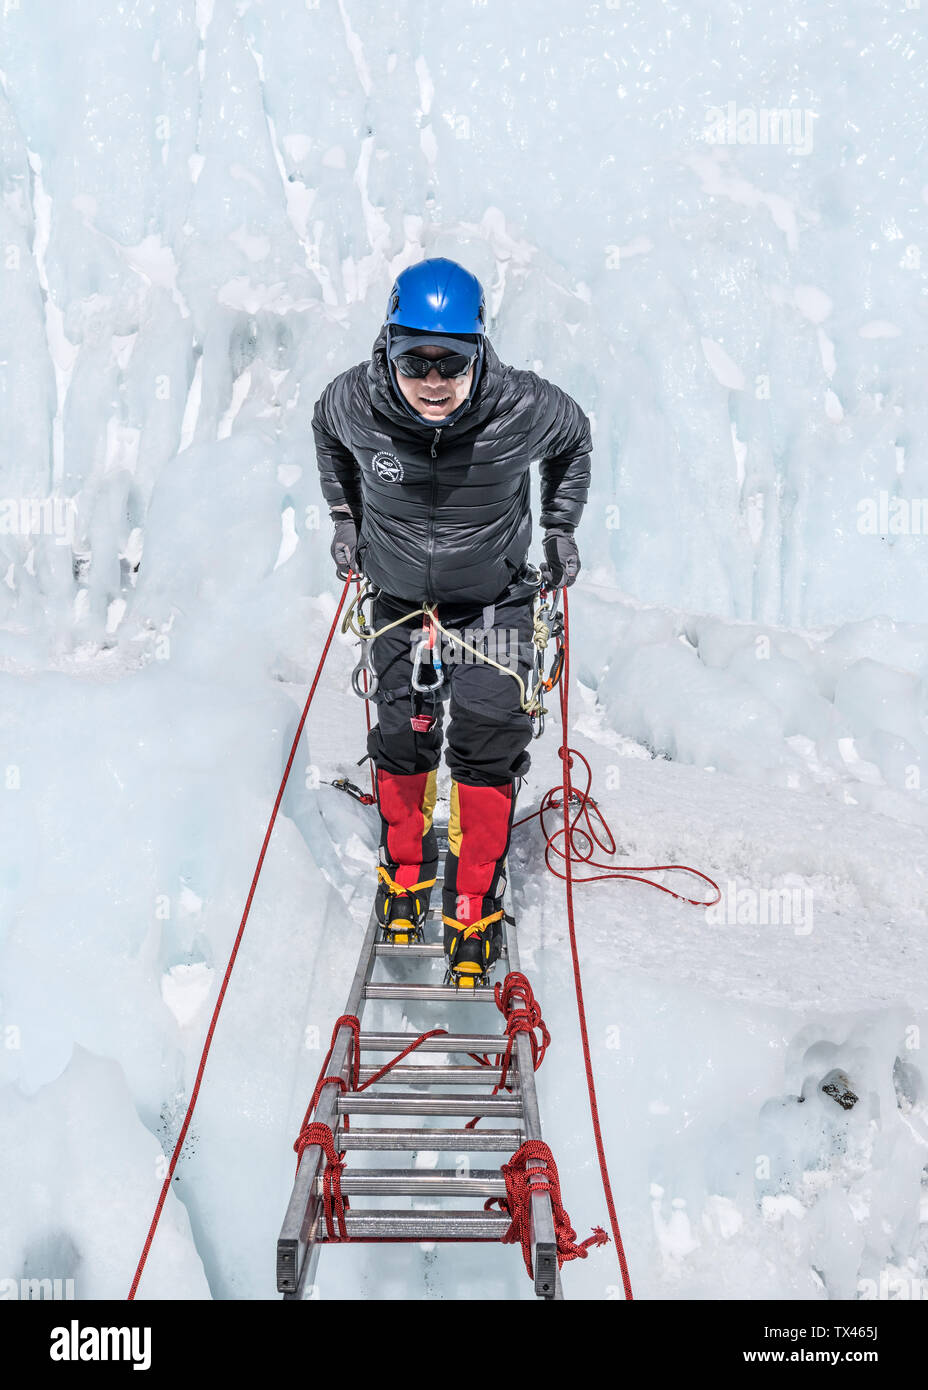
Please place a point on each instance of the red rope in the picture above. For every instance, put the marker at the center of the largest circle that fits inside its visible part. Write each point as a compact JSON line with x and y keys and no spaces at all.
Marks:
{"x":565,"y":754}
{"x":589,"y":825}
{"x":580,"y":836}
{"x":367,"y":716}
{"x":238,"y":938}
{"x":388,"y":1066}
{"x":587,"y":812}
{"x":334,"y":1203}
{"x":354,"y":1083}
{"x":516,"y":1001}
{"x":314,"y":1132}
{"x":523,"y":1016}
{"x":354,"y":1061}
{"x":521,"y":1183}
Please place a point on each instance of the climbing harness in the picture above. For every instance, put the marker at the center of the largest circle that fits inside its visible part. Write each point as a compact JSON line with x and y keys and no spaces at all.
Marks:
{"x":547,"y":625}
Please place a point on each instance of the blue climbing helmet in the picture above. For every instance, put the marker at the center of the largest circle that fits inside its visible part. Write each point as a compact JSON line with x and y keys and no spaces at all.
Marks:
{"x":438,"y":296}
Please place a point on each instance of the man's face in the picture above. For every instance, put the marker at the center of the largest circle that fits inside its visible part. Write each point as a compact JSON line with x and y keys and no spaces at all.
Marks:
{"x":434,"y":397}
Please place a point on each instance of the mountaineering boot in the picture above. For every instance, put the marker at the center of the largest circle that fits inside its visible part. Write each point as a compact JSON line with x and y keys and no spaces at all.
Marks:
{"x":402,"y":912}
{"x":472,"y":898}
{"x":472,"y":948}
{"x":408,"y":853}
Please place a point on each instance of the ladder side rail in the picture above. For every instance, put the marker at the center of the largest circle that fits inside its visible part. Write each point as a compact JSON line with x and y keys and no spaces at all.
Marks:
{"x":543,"y":1235}
{"x":299,"y":1232}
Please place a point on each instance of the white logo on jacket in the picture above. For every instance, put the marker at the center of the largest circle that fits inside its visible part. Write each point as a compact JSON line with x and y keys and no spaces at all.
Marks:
{"x":388,"y":467}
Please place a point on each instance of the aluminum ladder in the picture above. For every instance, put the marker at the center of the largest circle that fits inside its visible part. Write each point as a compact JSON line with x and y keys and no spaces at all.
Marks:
{"x":392,"y":1102}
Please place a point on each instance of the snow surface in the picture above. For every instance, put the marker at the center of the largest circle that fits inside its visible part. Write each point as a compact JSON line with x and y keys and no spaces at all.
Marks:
{"x":200,"y":219}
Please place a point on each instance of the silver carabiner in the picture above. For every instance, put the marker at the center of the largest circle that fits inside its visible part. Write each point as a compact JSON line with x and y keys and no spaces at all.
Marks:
{"x":366,"y":636}
{"x":364,"y":665}
{"x":547,"y":612}
{"x":422,"y":646}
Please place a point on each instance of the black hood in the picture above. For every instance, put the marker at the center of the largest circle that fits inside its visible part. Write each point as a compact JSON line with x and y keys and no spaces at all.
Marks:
{"x":485,"y":392}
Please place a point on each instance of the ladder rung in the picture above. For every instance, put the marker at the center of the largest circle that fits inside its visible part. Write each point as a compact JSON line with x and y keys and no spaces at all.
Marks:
{"x":428,"y":1225}
{"x":437,"y":1076}
{"x":431,"y":1140}
{"x":382,"y":990}
{"x":376,"y":1182}
{"x":451,"y":1042}
{"x":415,"y":948}
{"x":398,"y":1103}
{"x":409,"y":948}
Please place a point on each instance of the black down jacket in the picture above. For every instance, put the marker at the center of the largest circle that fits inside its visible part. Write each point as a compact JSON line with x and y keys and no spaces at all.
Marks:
{"x":443,"y":511}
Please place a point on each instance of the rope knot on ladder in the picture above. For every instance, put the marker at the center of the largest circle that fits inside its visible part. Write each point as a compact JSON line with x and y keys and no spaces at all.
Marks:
{"x":515,"y":999}
{"x":334,"y":1204}
{"x":354,"y":1062}
{"x":313,"y":1132}
{"x":521,"y":1183}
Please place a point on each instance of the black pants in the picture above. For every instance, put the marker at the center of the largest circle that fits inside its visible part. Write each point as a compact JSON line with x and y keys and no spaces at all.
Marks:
{"x":488,"y":732}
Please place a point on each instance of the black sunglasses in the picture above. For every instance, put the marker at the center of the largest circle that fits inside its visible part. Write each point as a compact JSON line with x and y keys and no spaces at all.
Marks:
{"x":455,"y":364}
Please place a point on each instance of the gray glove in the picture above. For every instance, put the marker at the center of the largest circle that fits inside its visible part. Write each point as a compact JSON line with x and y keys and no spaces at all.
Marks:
{"x":344,"y":547}
{"x":562,"y":560}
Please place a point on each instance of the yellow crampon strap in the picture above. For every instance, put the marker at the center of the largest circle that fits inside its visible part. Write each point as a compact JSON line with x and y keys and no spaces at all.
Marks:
{"x":469,"y":929}
{"x":396,"y":890}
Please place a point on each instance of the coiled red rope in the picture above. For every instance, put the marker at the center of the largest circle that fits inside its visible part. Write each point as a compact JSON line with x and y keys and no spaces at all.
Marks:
{"x":521,"y":1183}
{"x":234,"y":952}
{"x":588,"y":830}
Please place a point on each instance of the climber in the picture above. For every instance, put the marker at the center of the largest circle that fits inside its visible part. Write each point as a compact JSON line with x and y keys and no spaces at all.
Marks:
{"x":425,"y":454}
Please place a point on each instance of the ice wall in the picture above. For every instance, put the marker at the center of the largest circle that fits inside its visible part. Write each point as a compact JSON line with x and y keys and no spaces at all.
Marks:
{"x":203,"y":210}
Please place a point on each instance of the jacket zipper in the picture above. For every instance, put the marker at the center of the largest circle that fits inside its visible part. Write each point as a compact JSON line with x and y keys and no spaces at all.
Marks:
{"x":430,"y":546}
